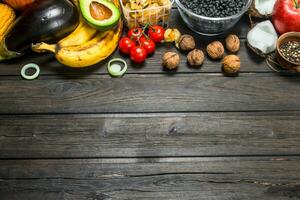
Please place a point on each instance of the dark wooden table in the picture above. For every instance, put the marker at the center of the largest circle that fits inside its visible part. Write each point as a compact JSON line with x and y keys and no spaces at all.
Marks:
{"x":194,"y":134}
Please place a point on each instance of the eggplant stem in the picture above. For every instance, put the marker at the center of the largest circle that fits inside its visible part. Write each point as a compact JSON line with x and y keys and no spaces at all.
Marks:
{"x":43,"y":47}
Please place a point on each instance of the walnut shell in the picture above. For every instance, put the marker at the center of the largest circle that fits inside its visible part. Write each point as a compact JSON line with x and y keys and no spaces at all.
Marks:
{"x":186,"y":43}
{"x":232,"y":43}
{"x":215,"y":50}
{"x":195,"y":57}
{"x":231,"y":64}
{"x":171,"y":60}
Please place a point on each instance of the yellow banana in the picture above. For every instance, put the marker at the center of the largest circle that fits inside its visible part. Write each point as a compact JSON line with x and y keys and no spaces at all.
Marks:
{"x":80,"y":35}
{"x":85,"y":46}
{"x":90,"y":53}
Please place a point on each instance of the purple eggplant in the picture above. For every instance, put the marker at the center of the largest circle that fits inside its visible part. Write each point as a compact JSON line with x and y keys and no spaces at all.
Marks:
{"x":43,"y":21}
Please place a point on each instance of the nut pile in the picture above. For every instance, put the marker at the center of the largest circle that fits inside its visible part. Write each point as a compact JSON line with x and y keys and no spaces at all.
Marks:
{"x":291,"y":51}
{"x":195,"y":57}
{"x":185,"y":43}
{"x":216,"y":51}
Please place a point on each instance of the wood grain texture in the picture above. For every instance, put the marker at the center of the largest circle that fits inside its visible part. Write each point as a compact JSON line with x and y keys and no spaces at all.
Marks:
{"x":150,"y":135}
{"x":79,"y":134}
{"x":165,"y":178}
{"x":156,"y":93}
{"x":49,"y":66}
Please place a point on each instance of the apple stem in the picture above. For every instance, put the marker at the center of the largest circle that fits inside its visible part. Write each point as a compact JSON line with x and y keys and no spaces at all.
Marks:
{"x":297,"y":4}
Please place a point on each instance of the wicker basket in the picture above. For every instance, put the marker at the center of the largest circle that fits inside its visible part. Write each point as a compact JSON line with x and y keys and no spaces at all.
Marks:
{"x":153,"y":15}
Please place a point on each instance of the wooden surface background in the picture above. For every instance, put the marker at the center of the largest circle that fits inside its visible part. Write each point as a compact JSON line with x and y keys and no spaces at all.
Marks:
{"x":192,"y":134}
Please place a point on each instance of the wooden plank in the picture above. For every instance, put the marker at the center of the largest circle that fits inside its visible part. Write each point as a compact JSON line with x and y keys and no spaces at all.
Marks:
{"x":150,"y":135}
{"x":49,"y":66}
{"x":187,"y":178}
{"x":155,"y":93}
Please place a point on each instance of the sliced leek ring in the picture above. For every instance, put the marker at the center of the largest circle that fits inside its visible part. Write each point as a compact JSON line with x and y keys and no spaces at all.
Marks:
{"x":115,"y":68}
{"x":30,"y":66}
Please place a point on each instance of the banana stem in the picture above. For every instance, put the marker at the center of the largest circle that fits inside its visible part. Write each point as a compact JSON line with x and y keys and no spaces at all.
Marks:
{"x":43,"y":47}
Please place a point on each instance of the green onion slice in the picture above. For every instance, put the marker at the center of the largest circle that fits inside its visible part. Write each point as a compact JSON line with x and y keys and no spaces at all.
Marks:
{"x":30,"y":66}
{"x":115,"y":67}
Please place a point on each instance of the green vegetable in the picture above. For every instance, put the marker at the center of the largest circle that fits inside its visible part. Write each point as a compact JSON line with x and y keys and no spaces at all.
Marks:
{"x":115,"y":69}
{"x":44,"y":21}
{"x":30,"y":66}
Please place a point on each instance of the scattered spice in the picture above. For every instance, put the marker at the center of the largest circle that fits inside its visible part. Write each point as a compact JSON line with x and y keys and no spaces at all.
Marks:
{"x":291,"y":51}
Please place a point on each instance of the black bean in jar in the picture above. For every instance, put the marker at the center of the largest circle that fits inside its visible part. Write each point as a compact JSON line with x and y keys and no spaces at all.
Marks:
{"x":214,"y":8}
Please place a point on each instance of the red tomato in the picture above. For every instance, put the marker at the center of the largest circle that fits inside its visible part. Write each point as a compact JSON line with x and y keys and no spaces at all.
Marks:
{"x":147,"y":44}
{"x":156,"y":33}
{"x":135,"y":34}
{"x":125,"y":45}
{"x":138,"y":54}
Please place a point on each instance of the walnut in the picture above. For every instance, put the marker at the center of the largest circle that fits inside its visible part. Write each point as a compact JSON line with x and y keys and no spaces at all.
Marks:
{"x":171,"y":60}
{"x":231,"y":64}
{"x":186,"y":43}
{"x":215,"y":50}
{"x":233,"y":43}
{"x":195,"y":57}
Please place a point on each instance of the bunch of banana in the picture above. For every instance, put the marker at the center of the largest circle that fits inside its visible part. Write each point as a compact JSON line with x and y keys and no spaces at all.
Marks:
{"x":85,"y":46}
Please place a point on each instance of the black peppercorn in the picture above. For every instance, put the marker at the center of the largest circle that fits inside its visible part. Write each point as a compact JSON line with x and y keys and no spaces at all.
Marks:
{"x":291,"y":51}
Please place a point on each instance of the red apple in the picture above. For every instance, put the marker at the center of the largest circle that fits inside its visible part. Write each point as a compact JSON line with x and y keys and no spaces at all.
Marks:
{"x":286,"y":16}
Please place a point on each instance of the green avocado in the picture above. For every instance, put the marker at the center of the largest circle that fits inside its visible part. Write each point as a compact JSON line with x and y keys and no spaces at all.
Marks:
{"x":101,"y":14}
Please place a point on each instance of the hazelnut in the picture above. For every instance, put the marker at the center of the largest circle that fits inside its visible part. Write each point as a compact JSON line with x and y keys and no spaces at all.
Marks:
{"x":233,"y":43}
{"x":186,"y":43}
{"x":171,"y":60}
{"x":231,"y":64}
{"x":195,"y":57}
{"x":215,"y":50}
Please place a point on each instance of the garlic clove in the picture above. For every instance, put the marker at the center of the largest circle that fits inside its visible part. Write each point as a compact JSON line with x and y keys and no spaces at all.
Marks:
{"x":263,"y":37}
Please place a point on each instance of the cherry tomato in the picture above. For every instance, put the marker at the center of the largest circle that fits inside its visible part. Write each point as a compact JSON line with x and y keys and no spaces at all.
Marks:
{"x":147,"y":44}
{"x":138,"y":54}
{"x":156,"y":33}
{"x":125,"y":45}
{"x":135,"y":34}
